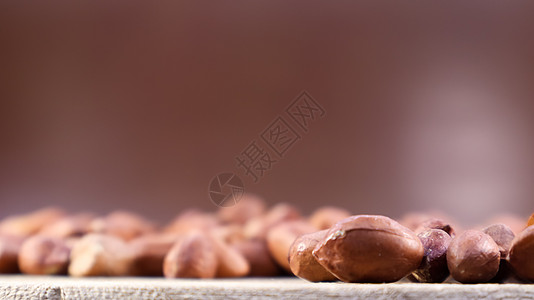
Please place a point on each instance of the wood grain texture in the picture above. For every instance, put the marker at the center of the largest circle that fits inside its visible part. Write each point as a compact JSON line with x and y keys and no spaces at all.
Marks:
{"x":45,"y":287}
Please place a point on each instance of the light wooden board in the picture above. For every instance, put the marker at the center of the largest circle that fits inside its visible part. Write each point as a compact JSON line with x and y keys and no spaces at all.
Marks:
{"x":45,"y":287}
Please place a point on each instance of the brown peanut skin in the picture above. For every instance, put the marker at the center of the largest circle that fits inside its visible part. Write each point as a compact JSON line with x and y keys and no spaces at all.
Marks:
{"x":522,"y":254}
{"x":433,"y":268}
{"x":231,"y":263}
{"x":149,"y":253}
{"x":368,"y":248}
{"x":473,"y":257}
{"x":530,"y":220}
{"x":191,"y":257}
{"x":9,"y":250}
{"x":302,"y":262}
{"x":503,"y":237}
{"x":281,"y":237}
{"x":256,"y":252}
{"x":40,"y":255}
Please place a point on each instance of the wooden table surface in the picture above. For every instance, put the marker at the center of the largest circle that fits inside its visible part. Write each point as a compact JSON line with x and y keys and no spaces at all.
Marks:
{"x":46,"y":287}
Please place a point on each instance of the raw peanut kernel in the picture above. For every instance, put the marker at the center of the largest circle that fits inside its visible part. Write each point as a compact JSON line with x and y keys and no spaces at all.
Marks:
{"x":369,"y":248}
{"x":191,"y":257}
{"x":149,"y":252}
{"x":434,"y":268}
{"x":42,"y":255}
{"x":9,"y":250}
{"x":522,"y":253}
{"x":256,"y":252}
{"x":503,"y":237}
{"x":231,"y":263}
{"x":473,"y":257}
{"x":301,"y":259}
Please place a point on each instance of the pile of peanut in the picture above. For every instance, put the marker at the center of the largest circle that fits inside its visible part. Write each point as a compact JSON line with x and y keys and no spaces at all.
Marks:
{"x":249,"y":239}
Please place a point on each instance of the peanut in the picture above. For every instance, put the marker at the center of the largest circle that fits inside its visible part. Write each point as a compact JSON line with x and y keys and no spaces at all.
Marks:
{"x":9,"y":249}
{"x":521,"y":254}
{"x":302,"y":262}
{"x":41,"y":255}
{"x":100,"y":255}
{"x":369,"y":248}
{"x":231,"y":263}
{"x":473,"y":257}
{"x":503,"y":237}
{"x":259,"y":258}
{"x":192,"y":256}
{"x":149,"y":253}
{"x":433,"y":268}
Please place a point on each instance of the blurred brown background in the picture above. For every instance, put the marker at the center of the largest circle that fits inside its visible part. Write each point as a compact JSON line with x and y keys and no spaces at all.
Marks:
{"x":138,"y":105}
